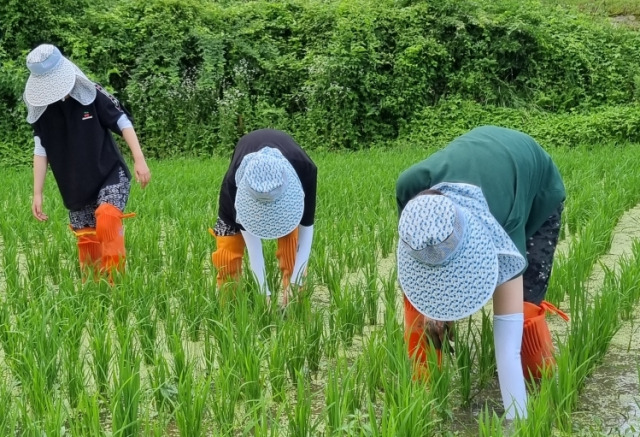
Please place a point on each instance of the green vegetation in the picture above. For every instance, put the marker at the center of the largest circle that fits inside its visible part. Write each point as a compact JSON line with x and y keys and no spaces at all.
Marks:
{"x":336,"y":74}
{"x":610,"y":8}
{"x":163,"y":351}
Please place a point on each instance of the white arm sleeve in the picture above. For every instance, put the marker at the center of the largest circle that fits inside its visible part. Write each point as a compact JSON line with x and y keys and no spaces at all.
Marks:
{"x":38,"y":150}
{"x":305,"y":238}
{"x":507,"y":337}
{"x":256,"y":259}
{"x":124,"y":122}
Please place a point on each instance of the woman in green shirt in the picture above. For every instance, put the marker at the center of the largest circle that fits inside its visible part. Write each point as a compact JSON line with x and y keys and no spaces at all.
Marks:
{"x":480,"y":219}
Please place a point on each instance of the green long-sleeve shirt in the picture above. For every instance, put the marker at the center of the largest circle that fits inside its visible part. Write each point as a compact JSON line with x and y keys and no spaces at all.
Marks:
{"x":519,"y":180}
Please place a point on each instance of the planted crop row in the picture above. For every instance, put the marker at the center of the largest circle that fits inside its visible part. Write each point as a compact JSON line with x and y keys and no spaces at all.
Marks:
{"x":166,"y":351}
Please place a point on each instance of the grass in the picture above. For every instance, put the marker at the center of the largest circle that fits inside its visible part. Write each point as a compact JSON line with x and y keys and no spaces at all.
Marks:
{"x":165,"y":350}
{"x":603,"y":7}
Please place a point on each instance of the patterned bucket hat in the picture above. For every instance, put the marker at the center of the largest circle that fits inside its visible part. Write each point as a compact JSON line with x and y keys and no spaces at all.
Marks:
{"x":270,"y":200}
{"x":452,"y":252}
{"x":52,"y":78}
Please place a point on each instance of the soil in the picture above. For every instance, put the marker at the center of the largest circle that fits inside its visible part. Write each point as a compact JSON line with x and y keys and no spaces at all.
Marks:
{"x":630,"y":21}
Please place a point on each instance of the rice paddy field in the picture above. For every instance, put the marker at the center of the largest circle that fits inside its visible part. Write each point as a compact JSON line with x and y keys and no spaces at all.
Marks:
{"x":164,"y":352}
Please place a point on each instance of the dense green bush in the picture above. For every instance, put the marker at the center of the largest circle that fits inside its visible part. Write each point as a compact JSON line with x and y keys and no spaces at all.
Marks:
{"x":605,"y":125}
{"x":337,"y":74}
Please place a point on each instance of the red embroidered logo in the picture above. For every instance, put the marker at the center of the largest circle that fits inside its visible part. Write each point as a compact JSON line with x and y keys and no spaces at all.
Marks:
{"x":86,"y":115}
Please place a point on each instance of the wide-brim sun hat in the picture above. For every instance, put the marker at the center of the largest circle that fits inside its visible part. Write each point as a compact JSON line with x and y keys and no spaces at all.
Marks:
{"x":452,"y":253}
{"x":52,"y":78}
{"x":270,"y":199}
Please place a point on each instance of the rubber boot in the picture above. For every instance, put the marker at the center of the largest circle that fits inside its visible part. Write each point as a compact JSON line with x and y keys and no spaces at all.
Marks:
{"x":417,"y":342}
{"x":286,"y":254}
{"x":89,"y":252}
{"x":110,"y":233}
{"x":537,"y":345}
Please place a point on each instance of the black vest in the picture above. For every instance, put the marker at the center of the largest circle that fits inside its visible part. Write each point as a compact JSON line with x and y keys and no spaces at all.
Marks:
{"x":79,"y":146}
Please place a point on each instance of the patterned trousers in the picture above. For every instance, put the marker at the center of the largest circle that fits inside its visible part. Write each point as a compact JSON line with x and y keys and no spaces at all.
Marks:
{"x":114,"y":191}
{"x":541,"y":248}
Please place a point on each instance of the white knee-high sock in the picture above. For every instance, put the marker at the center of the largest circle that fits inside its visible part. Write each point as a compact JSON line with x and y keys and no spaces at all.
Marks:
{"x":507,"y":337}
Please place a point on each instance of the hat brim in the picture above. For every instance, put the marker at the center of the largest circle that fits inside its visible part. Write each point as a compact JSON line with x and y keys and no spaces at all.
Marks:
{"x":458,"y":288}
{"x":269,"y":220}
{"x":44,"y":89}
{"x":511,"y":262}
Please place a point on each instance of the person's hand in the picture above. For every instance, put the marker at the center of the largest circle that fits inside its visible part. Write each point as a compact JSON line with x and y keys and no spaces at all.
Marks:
{"x":286,"y":295}
{"x":36,"y":208}
{"x":439,"y":332}
{"x":142,"y":172}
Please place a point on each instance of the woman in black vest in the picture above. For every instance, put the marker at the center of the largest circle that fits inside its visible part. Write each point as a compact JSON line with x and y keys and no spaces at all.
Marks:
{"x":72,"y":119}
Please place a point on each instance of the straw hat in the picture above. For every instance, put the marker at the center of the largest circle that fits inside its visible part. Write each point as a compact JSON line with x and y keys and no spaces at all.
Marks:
{"x":270,"y":200}
{"x":52,"y":78}
{"x":452,"y":253}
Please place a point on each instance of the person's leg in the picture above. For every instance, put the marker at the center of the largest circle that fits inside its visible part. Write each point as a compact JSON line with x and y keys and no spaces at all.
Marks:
{"x":541,"y":248}
{"x":537,"y":345}
{"x":83,"y":225}
{"x":112,"y":199}
{"x":415,"y":325}
{"x":227,"y":258}
{"x":286,"y":254}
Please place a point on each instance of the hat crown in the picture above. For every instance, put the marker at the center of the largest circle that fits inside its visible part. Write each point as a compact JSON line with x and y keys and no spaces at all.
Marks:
{"x":432,"y":228}
{"x":43,"y":59}
{"x":427,"y":221}
{"x":270,"y":199}
{"x":265,"y":174}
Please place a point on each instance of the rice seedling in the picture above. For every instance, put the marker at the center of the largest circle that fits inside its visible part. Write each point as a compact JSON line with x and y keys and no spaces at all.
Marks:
{"x":439,"y":381}
{"x":333,"y":335}
{"x":251,"y":373}
{"x":87,"y":421}
{"x":464,"y":360}
{"x":260,"y":423}
{"x":334,"y":399}
{"x":126,"y":390}
{"x":628,"y":283}
{"x":344,"y":394}
{"x":54,"y":423}
{"x":176,"y":347}
{"x":277,"y":367}
{"x":8,"y":420}
{"x":347,"y":302}
{"x":147,"y":328}
{"x":373,"y":367}
{"x":295,"y":350}
{"x":299,"y":415}
{"x":486,"y":351}
{"x":192,"y":303}
{"x":489,"y":423}
{"x":371,"y":292}
{"x":225,"y":396}
{"x":101,"y":348}
{"x":314,"y":334}
{"x":192,"y":398}
{"x":163,"y":386}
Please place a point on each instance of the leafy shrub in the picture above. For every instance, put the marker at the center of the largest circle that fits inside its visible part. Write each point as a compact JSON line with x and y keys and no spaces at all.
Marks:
{"x":606,"y":125}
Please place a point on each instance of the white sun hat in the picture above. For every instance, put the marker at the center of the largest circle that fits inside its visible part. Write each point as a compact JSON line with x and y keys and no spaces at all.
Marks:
{"x":452,"y":253}
{"x":52,"y":78}
{"x":270,"y":199}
